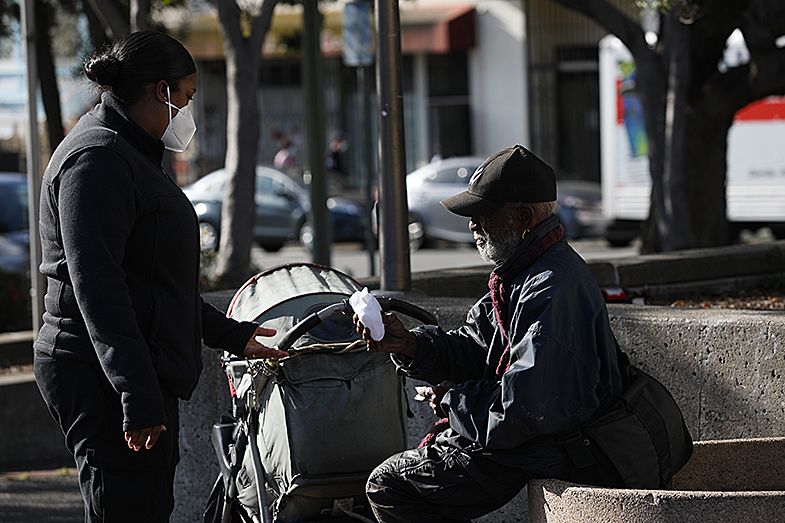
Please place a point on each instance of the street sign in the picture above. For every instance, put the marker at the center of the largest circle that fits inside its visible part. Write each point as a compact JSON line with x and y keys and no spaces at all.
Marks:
{"x":357,"y":41}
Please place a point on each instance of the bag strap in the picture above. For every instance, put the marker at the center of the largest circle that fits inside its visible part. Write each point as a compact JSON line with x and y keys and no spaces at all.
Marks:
{"x":577,"y":448}
{"x":623,"y":361}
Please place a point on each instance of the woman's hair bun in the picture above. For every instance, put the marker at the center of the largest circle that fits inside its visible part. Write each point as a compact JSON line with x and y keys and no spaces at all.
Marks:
{"x":103,"y":69}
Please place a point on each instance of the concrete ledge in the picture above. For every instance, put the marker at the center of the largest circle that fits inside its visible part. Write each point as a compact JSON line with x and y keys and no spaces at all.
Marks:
{"x":724,"y":367}
{"x":736,"y":266}
{"x":732,"y":480}
{"x":30,"y":435}
{"x":553,"y":501}
{"x":717,"y":264}
{"x":753,"y":464}
{"x":16,"y":348}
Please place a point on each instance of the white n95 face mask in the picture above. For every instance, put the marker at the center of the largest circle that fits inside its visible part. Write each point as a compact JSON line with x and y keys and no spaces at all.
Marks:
{"x":181,"y":128}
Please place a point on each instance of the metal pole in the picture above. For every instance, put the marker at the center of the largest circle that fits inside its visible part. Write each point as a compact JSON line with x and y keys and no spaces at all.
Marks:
{"x":258,"y":469}
{"x":367,"y":150}
{"x":314,"y":105}
{"x":37,"y":281}
{"x":392,"y":210}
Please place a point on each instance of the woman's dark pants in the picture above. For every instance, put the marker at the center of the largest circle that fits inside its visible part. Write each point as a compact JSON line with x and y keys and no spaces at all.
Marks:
{"x":118,"y":484}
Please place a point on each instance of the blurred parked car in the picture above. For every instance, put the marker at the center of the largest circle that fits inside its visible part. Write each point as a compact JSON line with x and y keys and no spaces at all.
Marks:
{"x":15,"y":314}
{"x":14,"y":232}
{"x":282,"y":206}
{"x":579,"y":211}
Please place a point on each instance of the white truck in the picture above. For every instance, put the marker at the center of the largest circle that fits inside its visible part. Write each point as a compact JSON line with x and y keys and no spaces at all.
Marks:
{"x":755,"y":186}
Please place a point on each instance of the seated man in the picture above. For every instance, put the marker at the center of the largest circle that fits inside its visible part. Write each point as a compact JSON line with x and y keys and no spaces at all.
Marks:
{"x":536,"y":357}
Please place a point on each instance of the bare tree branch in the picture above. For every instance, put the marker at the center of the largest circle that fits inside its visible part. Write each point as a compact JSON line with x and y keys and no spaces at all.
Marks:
{"x":229,"y":17}
{"x":604,"y":13}
{"x":111,"y":18}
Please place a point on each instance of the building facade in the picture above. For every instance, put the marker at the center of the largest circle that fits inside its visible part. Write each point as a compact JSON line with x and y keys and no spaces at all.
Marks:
{"x":477,"y":76}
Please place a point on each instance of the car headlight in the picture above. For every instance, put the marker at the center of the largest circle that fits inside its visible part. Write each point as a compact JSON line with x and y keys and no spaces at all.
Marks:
{"x":200,"y":208}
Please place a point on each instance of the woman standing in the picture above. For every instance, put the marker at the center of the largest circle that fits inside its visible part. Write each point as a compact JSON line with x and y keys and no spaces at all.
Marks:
{"x":121,"y":338}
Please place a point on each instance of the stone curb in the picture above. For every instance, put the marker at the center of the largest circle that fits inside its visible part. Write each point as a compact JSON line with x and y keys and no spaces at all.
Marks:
{"x":723,"y":267}
{"x":728,"y":480}
{"x":554,"y":501}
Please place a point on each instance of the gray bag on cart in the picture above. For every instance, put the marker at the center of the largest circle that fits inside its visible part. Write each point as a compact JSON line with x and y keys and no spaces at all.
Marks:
{"x":328,"y":415}
{"x":326,"y":422}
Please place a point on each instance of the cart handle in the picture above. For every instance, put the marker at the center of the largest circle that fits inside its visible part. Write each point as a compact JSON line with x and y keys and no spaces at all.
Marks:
{"x":387,"y":304}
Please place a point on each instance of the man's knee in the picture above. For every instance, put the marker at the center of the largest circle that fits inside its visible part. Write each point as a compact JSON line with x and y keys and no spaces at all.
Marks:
{"x":389,"y":473}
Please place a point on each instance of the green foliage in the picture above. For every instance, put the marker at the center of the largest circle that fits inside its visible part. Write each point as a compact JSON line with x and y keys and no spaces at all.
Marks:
{"x":686,"y":10}
{"x":207,"y":280}
{"x":9,"y":12}
{"x":9,"y":9}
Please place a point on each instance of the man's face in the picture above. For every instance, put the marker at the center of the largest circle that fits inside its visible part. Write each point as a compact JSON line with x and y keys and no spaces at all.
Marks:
{"x":497,"y":235}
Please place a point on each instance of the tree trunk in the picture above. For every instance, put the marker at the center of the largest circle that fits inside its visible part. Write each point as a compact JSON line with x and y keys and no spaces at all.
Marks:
{"x":689,"y":106}
{"x":706,"y":148}
{"x":672,"y":204}
{"x":139,"y":9}
{"x":652,"y":88}
{"x":243,"y":59}
{"x":242,"y":131}
{"x":44,"y":19}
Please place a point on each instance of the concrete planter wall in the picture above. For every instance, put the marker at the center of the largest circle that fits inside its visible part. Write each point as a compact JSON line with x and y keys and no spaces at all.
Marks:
{"x":730,"y":480}
{"x":724,"y":367}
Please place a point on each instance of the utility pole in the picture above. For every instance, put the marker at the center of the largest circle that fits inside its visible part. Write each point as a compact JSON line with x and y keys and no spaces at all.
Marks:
{"x":358,"y":53}
{"x":314,"y":108}
{"x":392,"y":209}
{"x":37,"y":281}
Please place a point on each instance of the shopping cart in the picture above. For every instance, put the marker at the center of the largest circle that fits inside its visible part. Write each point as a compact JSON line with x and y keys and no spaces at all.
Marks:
{"x":306,"y":431}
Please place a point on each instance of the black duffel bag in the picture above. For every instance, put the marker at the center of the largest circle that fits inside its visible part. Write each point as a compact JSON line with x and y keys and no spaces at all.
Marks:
{"x":639,"y":443}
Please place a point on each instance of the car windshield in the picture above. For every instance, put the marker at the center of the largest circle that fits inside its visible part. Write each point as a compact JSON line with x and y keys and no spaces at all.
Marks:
{"x":13,"y":207}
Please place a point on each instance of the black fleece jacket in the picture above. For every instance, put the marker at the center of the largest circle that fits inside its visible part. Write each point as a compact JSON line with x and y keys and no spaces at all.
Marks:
{"x":120,"y":250}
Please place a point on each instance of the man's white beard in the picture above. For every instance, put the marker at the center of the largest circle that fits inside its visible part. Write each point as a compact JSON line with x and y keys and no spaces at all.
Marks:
{"x":498,"y":250}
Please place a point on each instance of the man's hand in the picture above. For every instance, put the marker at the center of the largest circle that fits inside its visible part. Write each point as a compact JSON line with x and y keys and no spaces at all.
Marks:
{"x":138,"y":438}
{"x":435,"y":395}
{"x":254,"y":349}
{"x":396,"y":338}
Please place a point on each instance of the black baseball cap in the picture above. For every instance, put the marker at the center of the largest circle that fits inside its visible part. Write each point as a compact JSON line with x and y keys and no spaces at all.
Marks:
{"x":512,"y":175}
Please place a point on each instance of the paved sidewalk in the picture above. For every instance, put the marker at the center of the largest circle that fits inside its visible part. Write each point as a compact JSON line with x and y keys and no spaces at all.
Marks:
{"x":40,"y":496}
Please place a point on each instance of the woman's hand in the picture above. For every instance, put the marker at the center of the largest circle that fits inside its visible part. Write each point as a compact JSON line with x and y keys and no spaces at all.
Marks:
{"x":254,"y":349}
{"x":396,"y":338}
{"x":138,"y":438}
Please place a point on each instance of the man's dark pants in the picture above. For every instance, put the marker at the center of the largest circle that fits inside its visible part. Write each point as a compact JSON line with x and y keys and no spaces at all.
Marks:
{"x":441,"y":484}
{"x":118,"y":484}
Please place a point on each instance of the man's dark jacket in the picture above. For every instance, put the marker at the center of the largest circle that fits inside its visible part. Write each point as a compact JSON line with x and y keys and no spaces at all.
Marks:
{"x":562,"y":371}
{"x":120,"y":250}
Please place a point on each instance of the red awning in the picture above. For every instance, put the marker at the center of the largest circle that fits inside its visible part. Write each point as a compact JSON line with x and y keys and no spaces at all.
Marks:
{"x":437,"y":31}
